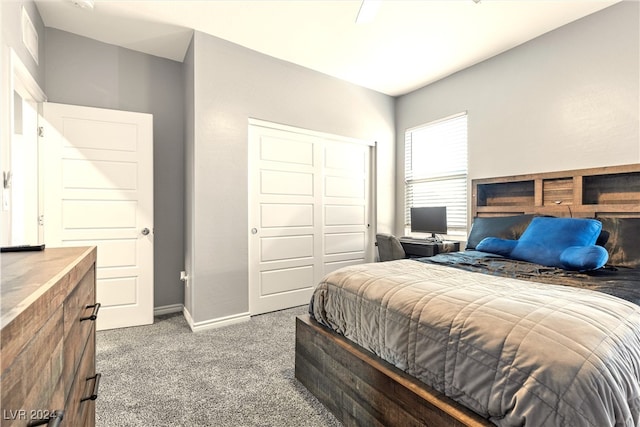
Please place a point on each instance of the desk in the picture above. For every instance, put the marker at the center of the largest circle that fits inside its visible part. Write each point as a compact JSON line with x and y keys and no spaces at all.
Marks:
{"x":416,"y":248}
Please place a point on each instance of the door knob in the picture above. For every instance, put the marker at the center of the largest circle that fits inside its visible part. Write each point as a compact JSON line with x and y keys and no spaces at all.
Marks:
{"x":145,"y":231}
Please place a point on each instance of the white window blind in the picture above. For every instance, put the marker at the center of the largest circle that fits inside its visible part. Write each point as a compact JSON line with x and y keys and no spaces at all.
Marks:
{"x":436,"y":169}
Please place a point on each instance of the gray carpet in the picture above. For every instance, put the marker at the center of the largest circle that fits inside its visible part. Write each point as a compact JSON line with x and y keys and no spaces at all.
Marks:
{"x":239,"y":375}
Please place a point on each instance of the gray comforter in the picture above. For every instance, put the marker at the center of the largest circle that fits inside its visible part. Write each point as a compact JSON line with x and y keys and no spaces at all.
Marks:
{"x":516,"y":352}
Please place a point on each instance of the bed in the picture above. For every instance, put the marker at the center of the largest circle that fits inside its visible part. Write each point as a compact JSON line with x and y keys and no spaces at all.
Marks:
{"x":475,"y":338}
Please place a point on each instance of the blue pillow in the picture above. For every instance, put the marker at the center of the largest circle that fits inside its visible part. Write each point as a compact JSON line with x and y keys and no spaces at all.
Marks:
{"x":584,"y":257}
{"x":545,"y":240}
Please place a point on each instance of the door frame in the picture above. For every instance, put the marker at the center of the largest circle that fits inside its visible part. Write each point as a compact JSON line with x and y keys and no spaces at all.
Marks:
{"x":16,"y":78}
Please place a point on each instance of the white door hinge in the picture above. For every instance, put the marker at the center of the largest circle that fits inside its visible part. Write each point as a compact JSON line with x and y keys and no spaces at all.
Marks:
{"x":40,"y":131}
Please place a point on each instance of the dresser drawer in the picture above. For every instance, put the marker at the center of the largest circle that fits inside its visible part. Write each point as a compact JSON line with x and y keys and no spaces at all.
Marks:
{"x":80,"y":403}
{"x":77,"y":325}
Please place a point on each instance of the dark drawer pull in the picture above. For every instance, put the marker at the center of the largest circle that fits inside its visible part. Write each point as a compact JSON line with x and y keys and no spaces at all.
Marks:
{"x":94,"y":314}
{"x":94,"y":394}
{"x":54,"y":420}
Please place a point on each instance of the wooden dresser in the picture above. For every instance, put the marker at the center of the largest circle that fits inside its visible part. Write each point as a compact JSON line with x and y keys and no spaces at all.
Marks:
{"x":48,"y":342}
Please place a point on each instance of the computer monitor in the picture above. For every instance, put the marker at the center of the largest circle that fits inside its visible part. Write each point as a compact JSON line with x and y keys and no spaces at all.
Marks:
{"x":429,"y":220}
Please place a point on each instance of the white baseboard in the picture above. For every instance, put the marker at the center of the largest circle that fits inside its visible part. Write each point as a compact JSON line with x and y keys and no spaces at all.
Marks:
{"x":167,"y":309}
{"x":188,"y":317}
{"x":215,"y":323}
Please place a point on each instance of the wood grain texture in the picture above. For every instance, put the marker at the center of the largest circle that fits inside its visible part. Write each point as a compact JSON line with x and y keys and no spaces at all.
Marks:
{"x":586,"y":193}
{"x":31,"y":382}
{"x":361,"y":389}
{"x":81,"y":387}
{"x":76,"y":332}
{"x":42,"y":343}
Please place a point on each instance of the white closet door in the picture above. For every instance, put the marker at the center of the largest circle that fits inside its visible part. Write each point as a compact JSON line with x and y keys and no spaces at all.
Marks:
{"x":345,"y":205}
{"x":308,"y":212}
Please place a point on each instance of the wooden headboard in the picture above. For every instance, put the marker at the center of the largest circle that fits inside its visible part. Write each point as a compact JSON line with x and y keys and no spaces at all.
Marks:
{"x":587,"y":193}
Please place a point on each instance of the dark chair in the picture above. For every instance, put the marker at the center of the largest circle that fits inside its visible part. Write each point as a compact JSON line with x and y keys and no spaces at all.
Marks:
{"x":389,"y":247}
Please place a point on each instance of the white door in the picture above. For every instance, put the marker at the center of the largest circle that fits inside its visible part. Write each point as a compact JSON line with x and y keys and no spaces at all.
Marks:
{"x":98,"y":190}
{"x":308,"y":212}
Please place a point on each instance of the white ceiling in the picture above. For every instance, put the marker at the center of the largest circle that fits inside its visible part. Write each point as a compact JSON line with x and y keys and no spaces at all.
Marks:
{"x":409,"y":44}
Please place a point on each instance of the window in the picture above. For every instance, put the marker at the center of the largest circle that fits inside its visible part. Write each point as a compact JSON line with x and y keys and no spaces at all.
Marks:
{"x":436,"y":169}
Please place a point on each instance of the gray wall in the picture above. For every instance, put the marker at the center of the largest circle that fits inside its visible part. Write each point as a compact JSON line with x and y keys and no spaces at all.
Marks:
{"x":231,"y":85}
{"x":82,"y":71}
{"x":12,"y":35}
{"x":566,"y":100}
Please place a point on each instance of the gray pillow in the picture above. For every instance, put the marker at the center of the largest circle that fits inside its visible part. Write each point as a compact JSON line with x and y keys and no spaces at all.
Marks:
{"x":620,"y":237}
{"x":503,"y":227}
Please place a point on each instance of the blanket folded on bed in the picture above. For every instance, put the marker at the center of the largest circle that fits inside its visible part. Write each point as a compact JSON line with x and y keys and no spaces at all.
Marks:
{"x":516,"y":352}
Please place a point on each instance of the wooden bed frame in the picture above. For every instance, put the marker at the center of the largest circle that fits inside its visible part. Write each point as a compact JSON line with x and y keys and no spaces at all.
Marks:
{"x":361,"y":389}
